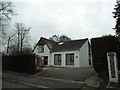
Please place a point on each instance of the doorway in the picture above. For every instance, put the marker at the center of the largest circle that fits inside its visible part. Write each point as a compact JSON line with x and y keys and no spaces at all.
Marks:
{"x":45,"y":60}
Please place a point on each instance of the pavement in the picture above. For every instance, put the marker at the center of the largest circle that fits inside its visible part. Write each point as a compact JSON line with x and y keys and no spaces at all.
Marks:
{"x":113,"y":85}
{"x":93,"y":81}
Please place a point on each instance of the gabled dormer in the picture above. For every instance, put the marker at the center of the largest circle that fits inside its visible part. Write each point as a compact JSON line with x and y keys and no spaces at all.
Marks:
{"x":42,"y":43}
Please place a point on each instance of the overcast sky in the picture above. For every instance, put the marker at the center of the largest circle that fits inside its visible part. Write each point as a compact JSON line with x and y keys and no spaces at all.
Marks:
{"x":77,"y":19}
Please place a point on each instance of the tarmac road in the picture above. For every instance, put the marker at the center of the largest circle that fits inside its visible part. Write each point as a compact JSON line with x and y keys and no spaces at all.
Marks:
{"x":41,"y":82}
{"x":9,"y":84}
{"x":20,"y":80}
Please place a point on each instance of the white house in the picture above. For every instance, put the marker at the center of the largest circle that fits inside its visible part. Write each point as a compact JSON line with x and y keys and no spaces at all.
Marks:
{"x":75,"y":53}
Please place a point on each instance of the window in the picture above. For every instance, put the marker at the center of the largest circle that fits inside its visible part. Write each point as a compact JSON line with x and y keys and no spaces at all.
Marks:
{"x":57,"y":59}
{"x":70,"y":59}
{"x":41,"y":49}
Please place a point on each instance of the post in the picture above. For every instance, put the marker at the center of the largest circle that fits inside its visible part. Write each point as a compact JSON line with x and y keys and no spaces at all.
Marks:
{"x":112,"y":67}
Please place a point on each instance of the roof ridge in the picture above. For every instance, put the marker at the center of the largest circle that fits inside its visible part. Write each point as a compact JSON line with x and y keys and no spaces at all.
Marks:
{"x":47,"y":39}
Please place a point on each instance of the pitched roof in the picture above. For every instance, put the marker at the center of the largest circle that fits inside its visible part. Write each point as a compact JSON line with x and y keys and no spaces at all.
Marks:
{"x":43,"y":41}
{"x":69,"y":45}
{"x":59,"y":47}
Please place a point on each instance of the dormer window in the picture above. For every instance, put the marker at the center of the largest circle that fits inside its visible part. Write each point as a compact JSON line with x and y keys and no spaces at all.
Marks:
{"x":41,"y":49}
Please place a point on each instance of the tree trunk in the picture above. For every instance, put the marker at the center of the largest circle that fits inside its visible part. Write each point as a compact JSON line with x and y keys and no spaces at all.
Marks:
{"x":21,"y":41}
{"x":18,"y":40}
{"x":21,"y":46}
{"x":8,"y":45}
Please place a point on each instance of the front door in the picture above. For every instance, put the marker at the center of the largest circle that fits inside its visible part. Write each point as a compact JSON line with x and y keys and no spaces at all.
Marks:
{"x":45,"y":60}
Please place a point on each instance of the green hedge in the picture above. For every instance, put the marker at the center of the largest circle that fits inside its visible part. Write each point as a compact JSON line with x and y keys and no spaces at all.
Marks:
{"x":100,"y":47}
{"x":19,"y":63}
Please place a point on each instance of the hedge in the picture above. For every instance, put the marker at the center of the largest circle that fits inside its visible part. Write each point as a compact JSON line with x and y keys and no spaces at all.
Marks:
{"x":100,"y":47}
{"x":19,"y":63}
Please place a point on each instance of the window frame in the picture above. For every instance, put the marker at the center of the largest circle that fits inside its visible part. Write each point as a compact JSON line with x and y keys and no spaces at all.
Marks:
{"x":41,"y":49}
{"x":59,"y":59}
{"x":71,"y":57}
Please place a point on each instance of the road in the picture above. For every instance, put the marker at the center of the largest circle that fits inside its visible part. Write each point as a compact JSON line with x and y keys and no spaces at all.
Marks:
{"x":42,"y":82}
{"x":18,"y":80}
{"x":9,"y":84}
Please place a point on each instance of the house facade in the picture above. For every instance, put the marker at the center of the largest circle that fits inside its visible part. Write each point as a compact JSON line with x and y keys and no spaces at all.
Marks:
{"x":75,"y":53}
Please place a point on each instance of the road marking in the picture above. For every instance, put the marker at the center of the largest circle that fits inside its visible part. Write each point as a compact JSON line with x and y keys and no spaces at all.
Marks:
{"x":32,"y":85}
{"x":51,"y":78}
{"x":63,"y":80}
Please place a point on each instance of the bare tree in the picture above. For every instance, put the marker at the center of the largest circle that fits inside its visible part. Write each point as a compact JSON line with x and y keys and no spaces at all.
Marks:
{"x":6,"y":11}
{"x":9,"y":41}
{"x":21,"y":33}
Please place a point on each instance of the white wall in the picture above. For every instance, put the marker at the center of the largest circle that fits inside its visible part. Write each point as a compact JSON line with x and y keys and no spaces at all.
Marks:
{"x":46,"y":52}
{"x":63,"y":60}
{"x":81,"y":60}
{"x":84,"y":55}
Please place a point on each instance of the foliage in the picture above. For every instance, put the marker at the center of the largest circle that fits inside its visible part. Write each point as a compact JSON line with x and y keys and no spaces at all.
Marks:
{"x":6,"y":11}
{"x":117,"y":17}
{"x":64,"y":38}
{"x":20,"y":63}
{"x":61,"y":38}
{"x":100,"y":47}
{"x":54,"y":38}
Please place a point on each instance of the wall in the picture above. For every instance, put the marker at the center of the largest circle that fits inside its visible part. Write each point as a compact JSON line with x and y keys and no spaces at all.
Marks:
{"x":46,"y":52}
{"x":84,"y":55}
{"x":63,"y":56}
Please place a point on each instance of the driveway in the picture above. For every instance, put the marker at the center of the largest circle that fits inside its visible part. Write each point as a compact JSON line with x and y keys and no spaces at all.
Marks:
{"x":75,"y":74}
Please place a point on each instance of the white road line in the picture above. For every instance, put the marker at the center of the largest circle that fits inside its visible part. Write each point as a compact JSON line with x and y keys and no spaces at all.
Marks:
{"x":33,"y":85}
{"x":54,"y":79}
{"x":63,"y":80}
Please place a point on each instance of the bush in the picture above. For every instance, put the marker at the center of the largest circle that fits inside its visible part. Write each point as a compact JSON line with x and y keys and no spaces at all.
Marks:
{"x":100,"y":47}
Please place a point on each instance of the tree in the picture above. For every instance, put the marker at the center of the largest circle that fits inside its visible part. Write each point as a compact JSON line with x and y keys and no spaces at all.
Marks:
{"x":61,"y":38}
{"x":22,"y":33}
{"x":9,"y":46}
{"x":117,"y":17}
{"x":64,"y":38}
{"x":6,"y":11}
{"x":54,"y":38}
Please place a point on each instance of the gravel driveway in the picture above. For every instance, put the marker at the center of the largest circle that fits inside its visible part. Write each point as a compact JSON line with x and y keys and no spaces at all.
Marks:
{"x":75,"y":74}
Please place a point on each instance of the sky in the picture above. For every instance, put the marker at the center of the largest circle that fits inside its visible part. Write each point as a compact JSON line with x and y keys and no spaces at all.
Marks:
{"x":78,"y":19}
